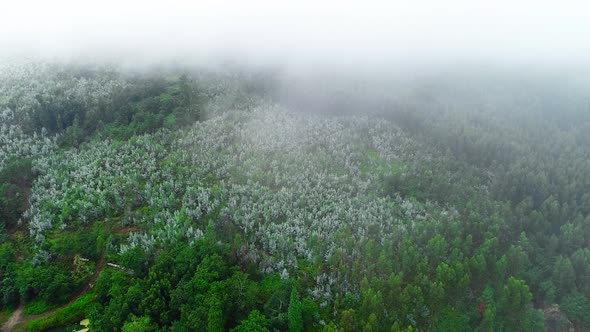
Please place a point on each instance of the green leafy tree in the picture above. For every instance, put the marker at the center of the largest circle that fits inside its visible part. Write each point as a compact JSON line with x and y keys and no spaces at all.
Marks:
{"x":138,"y":324}
{"x":517,"y":310}
{"x":294,"y":313}
{"x":564,"y":276}
{"x":577,"y":308}
{"x":348,"y":321}
{"x":215,"y":317}
{"x":256,"y":322}
{"x":310,"y":313}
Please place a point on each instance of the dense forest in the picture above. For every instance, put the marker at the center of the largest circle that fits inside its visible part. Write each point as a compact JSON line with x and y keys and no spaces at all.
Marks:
{"x":187,"y":199}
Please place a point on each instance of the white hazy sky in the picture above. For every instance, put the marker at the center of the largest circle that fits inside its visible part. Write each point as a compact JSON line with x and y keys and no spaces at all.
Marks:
{"x":301,"y":31}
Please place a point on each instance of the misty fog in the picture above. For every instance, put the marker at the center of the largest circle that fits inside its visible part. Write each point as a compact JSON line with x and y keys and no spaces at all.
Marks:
{"x":308,"y":33}
{"x":367,"y":56}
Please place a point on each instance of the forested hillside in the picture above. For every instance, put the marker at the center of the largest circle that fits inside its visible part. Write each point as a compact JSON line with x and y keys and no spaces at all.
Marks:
{"x":187,"y":199}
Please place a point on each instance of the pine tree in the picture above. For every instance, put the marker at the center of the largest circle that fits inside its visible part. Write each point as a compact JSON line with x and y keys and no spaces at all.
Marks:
{"x":294,"y":312}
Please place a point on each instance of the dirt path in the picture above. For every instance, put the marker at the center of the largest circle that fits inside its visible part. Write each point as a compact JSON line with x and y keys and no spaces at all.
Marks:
{"x":18,"y":316}
{"x":13,"y":320}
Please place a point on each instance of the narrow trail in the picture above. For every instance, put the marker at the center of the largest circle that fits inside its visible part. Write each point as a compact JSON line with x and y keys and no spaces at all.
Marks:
{"x":14,"y":319}
{"x":18,"y":316}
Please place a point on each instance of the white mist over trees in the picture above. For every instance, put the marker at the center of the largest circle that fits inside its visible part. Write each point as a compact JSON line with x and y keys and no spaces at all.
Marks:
{"x":328,"y":33}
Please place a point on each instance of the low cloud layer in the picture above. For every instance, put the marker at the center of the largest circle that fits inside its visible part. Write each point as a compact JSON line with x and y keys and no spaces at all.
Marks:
{"x":303,"y":32}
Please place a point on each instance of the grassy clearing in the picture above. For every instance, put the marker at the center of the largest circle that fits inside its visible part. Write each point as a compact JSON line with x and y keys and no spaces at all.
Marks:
{"x":20,"y":327}
{"x":70,"y":314}
{"x":4,"y":315}
{"x":37,"y":306}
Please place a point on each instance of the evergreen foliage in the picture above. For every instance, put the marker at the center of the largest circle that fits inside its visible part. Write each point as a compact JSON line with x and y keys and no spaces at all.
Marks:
{"x":226,"y":210}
